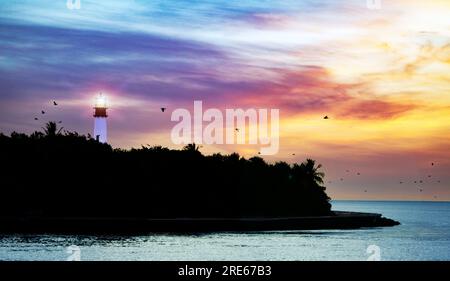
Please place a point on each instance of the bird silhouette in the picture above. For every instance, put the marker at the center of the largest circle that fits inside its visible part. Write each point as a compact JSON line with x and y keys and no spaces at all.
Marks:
{"x":365,"y":191}
{"x":43,"y":112}
{"x":54,"y":103}
{"x":237,"y":129}
{"x":326,"y":117}
{"x":163,"y":109}
{"x":59,"y":122}
{"x":342,"y":179}
{"x":36,"y":118}
{"x":348,"y":171}
{"x":358,"y":174}
{"x":439,"y":181}
{"x":420,"y":181}
{"x":420,"y":189}
{"x":429,"y":176}
{"x":401,"y":182}
{"x":293,"y":154}
{"x":415,"y":181}
{"x":432,"y":164}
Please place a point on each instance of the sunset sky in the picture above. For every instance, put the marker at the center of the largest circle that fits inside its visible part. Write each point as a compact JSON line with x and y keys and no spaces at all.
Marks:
{"x":382,"y":76}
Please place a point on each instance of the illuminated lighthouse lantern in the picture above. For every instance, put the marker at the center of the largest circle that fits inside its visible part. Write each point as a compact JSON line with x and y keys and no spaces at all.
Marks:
{"x":100,"y":126}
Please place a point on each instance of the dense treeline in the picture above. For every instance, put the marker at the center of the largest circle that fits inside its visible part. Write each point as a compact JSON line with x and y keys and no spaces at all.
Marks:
{"x":54,"y":173}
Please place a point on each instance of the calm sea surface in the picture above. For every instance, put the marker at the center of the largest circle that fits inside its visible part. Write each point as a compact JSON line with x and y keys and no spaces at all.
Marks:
{"x":423,"y":235}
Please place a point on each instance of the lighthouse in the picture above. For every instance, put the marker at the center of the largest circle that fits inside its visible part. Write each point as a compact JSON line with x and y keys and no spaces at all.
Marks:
{"x":100,"y":125}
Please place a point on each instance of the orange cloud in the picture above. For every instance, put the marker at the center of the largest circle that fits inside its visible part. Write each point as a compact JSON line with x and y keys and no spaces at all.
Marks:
{"x":374,"y":109}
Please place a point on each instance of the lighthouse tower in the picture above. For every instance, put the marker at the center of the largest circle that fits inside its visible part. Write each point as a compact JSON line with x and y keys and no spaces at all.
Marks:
{"x":100,"y":126}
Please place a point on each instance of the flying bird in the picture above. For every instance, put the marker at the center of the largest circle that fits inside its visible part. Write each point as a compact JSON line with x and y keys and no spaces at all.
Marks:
{"x":326,"y":117}
{"x":293,"y":154}
{"x":358,"y":174}
{"x":342,"y":179}
{"x":401,"y":182}
{"x":432,"y":164}
{"x":365,"y":190}
{"x":237,"y":129}
{"x":163,"y":109}
{"x":421,"y":190}
{"x":36,"y":118}
{"x":54,"y":103}
{"x":348,"y":171}
{"x":43,"y":112}
{"x":59,"y":122}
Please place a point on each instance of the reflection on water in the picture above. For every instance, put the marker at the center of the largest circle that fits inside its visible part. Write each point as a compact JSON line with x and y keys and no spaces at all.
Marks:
{"x":423,"y":235}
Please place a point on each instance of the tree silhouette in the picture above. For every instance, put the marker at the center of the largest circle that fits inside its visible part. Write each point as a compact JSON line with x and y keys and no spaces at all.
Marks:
{"x":192,"y":147}
{"x":91,"y":179}
{"x":51,"y":129}
{"x":311,"y":171}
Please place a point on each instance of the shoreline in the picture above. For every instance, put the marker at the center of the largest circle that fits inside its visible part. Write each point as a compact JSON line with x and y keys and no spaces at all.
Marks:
{"x":340,"y":220}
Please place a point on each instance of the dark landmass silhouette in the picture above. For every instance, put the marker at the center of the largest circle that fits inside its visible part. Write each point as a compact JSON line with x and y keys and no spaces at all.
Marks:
{"x":62,"y":181}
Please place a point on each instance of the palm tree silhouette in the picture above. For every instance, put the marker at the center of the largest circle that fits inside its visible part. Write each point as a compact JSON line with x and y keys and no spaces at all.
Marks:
{"x":311,"y":172}
{"x":51,"y":129}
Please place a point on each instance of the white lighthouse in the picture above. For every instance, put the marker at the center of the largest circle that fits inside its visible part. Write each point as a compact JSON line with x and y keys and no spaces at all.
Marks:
{"x":100,"y":125}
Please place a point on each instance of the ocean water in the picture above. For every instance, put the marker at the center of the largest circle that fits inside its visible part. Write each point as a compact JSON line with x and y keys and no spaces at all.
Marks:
{"x":424,"y":235}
